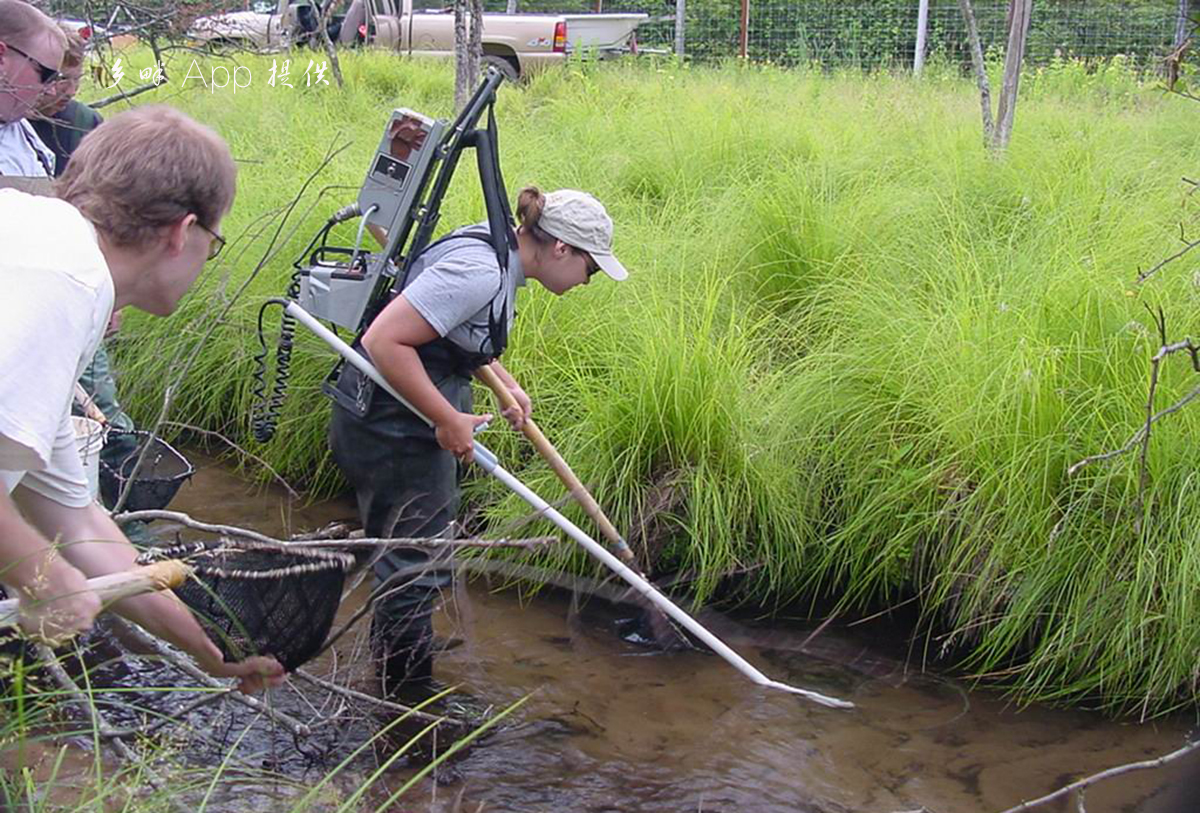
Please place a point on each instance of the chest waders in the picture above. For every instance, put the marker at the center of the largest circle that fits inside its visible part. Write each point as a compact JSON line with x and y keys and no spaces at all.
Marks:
{"x":406,"y":486}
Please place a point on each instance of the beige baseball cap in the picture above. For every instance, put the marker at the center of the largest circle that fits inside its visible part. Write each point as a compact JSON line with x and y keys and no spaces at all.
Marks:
{"x":579,"y":220}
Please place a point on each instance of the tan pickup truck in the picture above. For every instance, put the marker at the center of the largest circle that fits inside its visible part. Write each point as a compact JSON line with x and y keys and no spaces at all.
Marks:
{"x":513,"y":43}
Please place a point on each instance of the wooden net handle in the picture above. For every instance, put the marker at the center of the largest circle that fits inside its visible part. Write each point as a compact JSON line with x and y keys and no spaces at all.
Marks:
{"x":116,"y":586}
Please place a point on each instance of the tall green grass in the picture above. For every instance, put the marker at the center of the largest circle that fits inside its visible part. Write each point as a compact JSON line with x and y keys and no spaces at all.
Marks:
{"x":857,"y":352}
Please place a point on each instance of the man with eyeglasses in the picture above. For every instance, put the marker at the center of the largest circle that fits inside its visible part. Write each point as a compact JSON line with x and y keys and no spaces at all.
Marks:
{"x":31,"y":50}
{"x":137,"y":216}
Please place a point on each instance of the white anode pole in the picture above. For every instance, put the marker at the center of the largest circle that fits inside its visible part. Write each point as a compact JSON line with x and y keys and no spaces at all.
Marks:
{"x":490,"y":464}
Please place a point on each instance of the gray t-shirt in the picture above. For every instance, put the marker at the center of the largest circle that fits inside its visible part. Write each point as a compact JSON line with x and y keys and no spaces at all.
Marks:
{"x":452,"y":286}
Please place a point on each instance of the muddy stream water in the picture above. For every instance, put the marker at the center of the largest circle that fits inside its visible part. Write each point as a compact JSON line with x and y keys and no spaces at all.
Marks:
{"x":611,"y":726}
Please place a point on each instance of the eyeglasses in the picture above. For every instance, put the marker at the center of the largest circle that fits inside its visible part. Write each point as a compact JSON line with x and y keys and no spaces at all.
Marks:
{"x":217,"y":243}
{"x":46,"y":74}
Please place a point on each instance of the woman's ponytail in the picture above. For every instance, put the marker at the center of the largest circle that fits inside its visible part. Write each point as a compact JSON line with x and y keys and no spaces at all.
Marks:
{"x":530,"y":202}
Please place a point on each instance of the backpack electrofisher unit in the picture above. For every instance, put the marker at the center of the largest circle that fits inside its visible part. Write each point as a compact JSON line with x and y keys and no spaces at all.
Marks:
{"x":400,"y":202}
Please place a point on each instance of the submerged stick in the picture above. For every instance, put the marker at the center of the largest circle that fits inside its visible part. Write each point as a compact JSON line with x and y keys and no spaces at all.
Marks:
{"x":345,"y":691}
{"x":102,"y":727}
{"x":1080,"y":784}
{"x":489,"y":463}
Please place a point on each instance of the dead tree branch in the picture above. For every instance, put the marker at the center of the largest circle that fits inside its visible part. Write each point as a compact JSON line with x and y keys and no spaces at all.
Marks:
{"x":180,"y":661}
{"x":1188,"y":246}
{"x":1142,"y":436}
{"x":186,"y":521}
{"x":50,"y":661}
{"x":1081,"y":784}
{"x":276,"y":476}
{"x":214,"y":322}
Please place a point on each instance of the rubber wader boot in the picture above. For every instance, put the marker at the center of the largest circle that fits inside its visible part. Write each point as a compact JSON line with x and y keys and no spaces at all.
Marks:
{"x":404,"y":666}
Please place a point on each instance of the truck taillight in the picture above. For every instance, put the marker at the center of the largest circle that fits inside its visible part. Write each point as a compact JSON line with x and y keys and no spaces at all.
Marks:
{"x":560,"y":37}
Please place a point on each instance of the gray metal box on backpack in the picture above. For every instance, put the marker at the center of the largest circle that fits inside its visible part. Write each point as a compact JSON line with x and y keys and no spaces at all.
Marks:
{"x":339,"y":291}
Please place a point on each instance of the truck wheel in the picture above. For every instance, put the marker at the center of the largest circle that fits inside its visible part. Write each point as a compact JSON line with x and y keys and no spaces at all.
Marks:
{"x":502,"y":64}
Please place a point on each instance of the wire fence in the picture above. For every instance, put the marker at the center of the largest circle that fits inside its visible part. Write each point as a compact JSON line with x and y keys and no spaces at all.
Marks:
{"x":883,"y":33}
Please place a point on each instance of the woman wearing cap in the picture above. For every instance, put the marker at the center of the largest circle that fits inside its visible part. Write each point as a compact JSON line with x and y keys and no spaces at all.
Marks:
{"x":447,"y":318}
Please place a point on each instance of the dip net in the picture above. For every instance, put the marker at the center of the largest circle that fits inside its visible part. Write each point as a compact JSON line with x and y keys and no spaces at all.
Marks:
{"x":257,"y":598}
{"x":162,"y":472}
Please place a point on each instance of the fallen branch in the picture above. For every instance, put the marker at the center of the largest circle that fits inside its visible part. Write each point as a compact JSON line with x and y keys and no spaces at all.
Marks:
{"x":1079,"y":785}
{"x":183,"y":519}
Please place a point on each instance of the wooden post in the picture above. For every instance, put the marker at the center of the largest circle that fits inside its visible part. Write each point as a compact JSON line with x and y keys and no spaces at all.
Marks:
{"x":1181,"y":24}
{"x":922,"y":28}
{"x":985,"y":90}
{"x":680,"y":16}
{"x":1019,"y":14}
{"x":462,"y":45}
{"x":744,"y":39}
{"x":475,"y":45}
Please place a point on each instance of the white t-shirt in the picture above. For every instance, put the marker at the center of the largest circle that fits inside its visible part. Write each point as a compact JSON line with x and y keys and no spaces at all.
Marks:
{"x":22,"y":152}
{"x":56,"y":297}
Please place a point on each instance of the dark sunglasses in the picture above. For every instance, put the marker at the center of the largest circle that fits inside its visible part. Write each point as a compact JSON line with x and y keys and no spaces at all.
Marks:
{"x":217,"y":244}
{"x":46,"y":74}
{"x":592,"y":266}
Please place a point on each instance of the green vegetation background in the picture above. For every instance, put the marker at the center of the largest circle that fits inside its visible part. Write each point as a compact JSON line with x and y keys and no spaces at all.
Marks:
{"x":853,"y":362}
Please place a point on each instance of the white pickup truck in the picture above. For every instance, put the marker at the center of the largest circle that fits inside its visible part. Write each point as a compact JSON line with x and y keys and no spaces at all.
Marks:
{"x":513,"y":43}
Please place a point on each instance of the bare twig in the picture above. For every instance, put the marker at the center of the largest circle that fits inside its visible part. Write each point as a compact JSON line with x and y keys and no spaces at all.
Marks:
{"x":185,"y":367}
{"x":330,"y":686}
{"x":1143,"y":433}
{"x":1188,"y":246}
{"x":183,"y":519}
{"x":124,"y":95}
{"x":1079,"y":785}
{"x":243,"y":452}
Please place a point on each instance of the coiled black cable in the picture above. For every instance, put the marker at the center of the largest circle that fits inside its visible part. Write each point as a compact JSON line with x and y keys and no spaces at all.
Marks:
{"x":264,"y":409}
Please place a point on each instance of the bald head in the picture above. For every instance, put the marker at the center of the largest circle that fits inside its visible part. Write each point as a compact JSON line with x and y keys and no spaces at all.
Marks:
{"x":31,"y":49}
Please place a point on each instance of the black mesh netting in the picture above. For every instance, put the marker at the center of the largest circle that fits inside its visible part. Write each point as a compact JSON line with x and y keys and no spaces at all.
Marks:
{"x":161,"y":474}
{"x":261,"y":599}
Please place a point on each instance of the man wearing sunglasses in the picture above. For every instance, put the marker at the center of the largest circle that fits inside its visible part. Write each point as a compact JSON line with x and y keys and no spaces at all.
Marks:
{"x":31,"y":50}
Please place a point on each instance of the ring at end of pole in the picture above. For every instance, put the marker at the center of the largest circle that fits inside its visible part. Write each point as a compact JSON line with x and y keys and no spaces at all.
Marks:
{"x":816,"y":697}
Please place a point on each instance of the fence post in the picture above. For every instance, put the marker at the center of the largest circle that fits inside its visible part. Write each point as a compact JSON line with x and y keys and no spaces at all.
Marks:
{"x":1181,"y":24}
{"x":680,"y":16}
{"x":744,"y":39}
{"x":922,"y":27}
{"x":511,"y":7}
